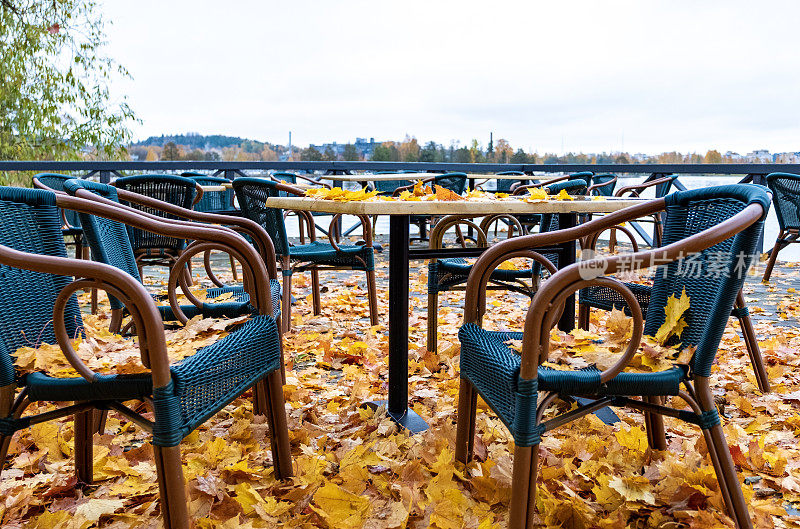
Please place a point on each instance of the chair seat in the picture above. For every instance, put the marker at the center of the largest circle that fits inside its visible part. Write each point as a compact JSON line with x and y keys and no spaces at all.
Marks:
{"x":202,"y":384}
{"x":492,"y":367}
{"x":238,"y":306}
{"x":319,"y":252}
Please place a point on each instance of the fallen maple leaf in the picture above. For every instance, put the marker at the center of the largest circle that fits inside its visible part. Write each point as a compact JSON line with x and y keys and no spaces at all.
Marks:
{"x":673,"y":322}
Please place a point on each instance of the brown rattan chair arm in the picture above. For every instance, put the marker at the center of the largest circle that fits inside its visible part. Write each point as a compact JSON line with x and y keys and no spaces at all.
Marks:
{"x":149,"y":326}
{"x":239,"y":224}
{"x":599,"y":186}
{"x":488,"y":220}
{"x":198,"y":195}
{"x":637,"y":189}
{"x":312,"y":181}
{"x":542,"y":312}
{"x":445,"y":223}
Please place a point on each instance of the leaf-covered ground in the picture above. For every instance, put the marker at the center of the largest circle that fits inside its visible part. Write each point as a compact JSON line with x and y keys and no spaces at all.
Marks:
{"x":353,"y":468}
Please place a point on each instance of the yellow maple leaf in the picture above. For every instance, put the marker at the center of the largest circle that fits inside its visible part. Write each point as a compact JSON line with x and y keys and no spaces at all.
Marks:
{"x":535,"y":194}
{"x":633,"y":488}
{"x":446,"y":195}
{"x":673,"y":323}
{"x":619,"y":325}
{"x":563,"y":195}
{"x":339,"y":508}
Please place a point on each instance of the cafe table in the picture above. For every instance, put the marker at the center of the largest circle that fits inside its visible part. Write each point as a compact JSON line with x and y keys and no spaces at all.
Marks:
{"x":400,"y":253}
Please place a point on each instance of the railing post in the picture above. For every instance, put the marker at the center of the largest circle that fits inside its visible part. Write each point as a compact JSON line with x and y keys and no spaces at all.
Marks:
{"x":105,"y":177}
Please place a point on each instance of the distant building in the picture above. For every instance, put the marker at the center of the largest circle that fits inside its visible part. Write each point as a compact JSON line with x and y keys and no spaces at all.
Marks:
{"x":759,"y":156}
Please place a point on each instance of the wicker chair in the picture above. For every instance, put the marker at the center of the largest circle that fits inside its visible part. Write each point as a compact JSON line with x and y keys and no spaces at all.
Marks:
{"x":149,"y":248}
{"x":603,"y":185}
{"x":182,"y":396}
{"x":388,"y":187}
{"x":785,"y":189}
{"x":111,"y":245}
{"x":452,"y":273}
{"x":312,"y":256}
{"x":721,"y":224}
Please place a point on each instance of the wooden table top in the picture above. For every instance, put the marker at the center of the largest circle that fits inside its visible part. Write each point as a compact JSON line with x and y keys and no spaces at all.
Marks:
{"x":475,"y":208}
{"x":422,"y":176}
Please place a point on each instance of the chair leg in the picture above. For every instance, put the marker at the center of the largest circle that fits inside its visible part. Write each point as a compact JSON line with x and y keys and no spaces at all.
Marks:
{"x":584,"y":313}
{"x":719,"y":450}
{"x":372,"y":291}
{"x":751,"y":341}
{"x":523,"y":487}
{"x":433,"y":321}
{"x":116,"y":321}
{"x":773,"y":256}
{"x":272,"y":386}
{"x":465,"y":425}
{"x":286,"y":300}
{"x":654,"y":423}
{"x":315,"y":294}
{"x":84,"y":432}
{"x":233,"y":268}
{"x":174,"y":510}
{"x":612,"y":240}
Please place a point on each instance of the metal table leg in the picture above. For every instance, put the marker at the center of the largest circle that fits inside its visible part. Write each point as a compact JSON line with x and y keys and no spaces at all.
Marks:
{"x":566,"y":258}
{"x":397,"y":404}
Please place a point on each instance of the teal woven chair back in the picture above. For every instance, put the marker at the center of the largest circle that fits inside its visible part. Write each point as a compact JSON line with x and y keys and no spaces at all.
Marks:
{"x":56,"y":182}
{"x":107,"y":238}
{"x":455,"y":182}
{"x":711,"y":278}
{"x":785,"y":189}
{"x":504,"y":185}
{"x":177,"y":190}
{"x":387,"y":187}
{"x":289,"y":178}
{"x":212,"y":201}
{"x":604,"y":191}
{"x":252,"y":194}
{"x":30,"y":222}
{"x":586,"y":176}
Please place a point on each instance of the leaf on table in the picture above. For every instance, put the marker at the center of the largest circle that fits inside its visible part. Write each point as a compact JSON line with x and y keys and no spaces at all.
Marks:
{"x":536,"y":194}
{"x":563,"y":195}
{"x":446,"y":195}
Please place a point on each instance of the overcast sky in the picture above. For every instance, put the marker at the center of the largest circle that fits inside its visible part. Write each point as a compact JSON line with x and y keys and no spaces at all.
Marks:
{"x":585,"y":76}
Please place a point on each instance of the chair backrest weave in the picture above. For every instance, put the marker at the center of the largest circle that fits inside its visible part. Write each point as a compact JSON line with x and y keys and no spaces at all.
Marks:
{"x":503,"y":185}
{"x":387,"y":187}
{"x":713,"y":277}
{"x":56,"y":182}
{"x":603,"y":191}
{"x":455,"y":182}
{"x":785,"y":189}
{"x":30,"y":222}
{"x":177,"y":190}
{"x":252,"y":194}
{"x":212,"y":200}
